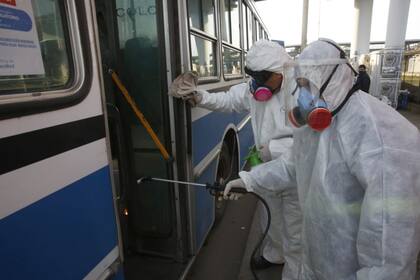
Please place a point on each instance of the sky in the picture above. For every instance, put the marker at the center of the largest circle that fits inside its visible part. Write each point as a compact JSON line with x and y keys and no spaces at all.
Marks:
{"x":329,"y":19}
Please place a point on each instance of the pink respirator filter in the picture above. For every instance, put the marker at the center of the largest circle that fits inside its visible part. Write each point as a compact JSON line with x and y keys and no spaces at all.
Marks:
{"x":263,"y":94}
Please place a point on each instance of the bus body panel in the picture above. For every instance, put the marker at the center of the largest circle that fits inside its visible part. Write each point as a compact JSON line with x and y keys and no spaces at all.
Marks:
{"x":62,"y":236}
{"x":208,"y":132}
{"x":57,"y":192}
{"x":204,"y":205}
{"x":57,"y":218}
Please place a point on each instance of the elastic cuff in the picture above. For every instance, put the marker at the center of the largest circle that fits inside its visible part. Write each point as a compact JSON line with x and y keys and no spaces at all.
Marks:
{"x":247,"y":179}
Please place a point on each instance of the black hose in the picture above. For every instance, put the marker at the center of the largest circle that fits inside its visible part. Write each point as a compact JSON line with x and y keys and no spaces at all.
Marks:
{"x":214,"y":188}
{"x":260,"y":242}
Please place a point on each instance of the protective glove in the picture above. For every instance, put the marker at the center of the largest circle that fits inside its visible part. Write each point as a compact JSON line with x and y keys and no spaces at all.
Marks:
{"x":185,"y":87}
{"x":194,"y":99}
{"x":237,"y":183}
{"x":265,"y":152}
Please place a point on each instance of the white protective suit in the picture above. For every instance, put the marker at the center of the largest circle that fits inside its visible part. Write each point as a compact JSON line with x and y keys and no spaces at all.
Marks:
{"x":269,"y":121}
{"x":358,"y":183}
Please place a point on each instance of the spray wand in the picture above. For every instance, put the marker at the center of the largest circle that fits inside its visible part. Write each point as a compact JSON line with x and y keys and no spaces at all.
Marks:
{"x":254,"y":160}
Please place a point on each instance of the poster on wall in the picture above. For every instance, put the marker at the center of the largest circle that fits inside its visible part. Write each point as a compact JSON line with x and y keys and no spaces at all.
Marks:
{"x":19,"y":42}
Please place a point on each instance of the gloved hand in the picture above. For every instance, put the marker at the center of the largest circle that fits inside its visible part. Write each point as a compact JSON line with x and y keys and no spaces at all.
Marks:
{"x":185,"y":87}
{"x":237,"y":183}
{"x":265,"y":153}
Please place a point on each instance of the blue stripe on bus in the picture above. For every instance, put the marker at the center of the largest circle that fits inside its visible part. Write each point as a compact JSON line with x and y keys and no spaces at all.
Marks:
{"x":208,"y":131}
{"x":62,"y":236}
{"x":204,"y":205}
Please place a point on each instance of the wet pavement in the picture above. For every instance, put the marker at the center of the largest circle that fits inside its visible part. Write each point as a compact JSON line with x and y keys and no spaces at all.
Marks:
{"x":221,"y":256}
{"x":412,"y":113}
{"x":245,"y":273}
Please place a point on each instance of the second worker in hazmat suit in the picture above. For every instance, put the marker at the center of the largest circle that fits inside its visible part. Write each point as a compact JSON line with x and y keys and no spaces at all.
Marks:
{"x":264,"y":97}
{"x":356,"y":164}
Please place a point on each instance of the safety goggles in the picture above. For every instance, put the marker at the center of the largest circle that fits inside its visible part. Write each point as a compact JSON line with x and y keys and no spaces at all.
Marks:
{"x":260,"y":77}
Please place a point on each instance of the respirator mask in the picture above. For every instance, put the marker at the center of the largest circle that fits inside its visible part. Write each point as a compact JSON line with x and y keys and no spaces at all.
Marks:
{"x":257,"y":87}
{"x":311,"y":108}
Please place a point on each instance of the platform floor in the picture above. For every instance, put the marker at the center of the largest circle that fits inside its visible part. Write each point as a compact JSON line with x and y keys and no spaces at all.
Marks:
{"x":227,"y":253}
{"x":222,"y":255}
{"x":412,"y":113}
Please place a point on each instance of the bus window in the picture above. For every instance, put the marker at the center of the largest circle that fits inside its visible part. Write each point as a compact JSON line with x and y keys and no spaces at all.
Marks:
{"x":201,"y":15}
{"x":230,"y":22}
{"x":250,"y":29}
{"x":235,"y":26}
{"x":254,"y":30}
{"x":257,"y":30}
{"x":231,"y":62}
{"x":203,"y":42}
{"x":48,"y":41}
{"x":244,"y":26}
{"x":225,"y":15}
{"x":203,"y":57}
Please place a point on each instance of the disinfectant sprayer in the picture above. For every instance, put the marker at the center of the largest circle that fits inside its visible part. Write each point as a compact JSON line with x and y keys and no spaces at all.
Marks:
{"x":254,"y":160}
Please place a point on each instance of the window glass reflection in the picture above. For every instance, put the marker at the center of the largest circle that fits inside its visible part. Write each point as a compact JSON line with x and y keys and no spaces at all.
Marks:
{"x":203,"y":58}
{"x":250,"y":29}
{"x":46,"y":47}
{"x":230,"y":22}
{"x":254,"y":30}
{"x":236,"y":39}
{"x":137,"y":19}
{"x":244,"y":26}
{"x":226,"y":21}
{"x":201,"y":13}
{"x":232,"y":64}
{"x":141,"y":68}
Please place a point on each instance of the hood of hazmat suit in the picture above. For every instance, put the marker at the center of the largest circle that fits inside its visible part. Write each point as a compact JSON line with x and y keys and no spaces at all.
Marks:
{"x":358,"y":182}
{"x":269,"y":121}
{"x":317,"y":71}
{"x":268,"y":118}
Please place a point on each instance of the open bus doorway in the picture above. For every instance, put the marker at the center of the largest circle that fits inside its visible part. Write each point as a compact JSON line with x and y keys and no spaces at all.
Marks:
{"x":131,"y":41}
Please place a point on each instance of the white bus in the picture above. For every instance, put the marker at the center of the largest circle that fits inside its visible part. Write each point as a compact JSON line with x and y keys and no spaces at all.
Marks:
{"x":72,"y":149}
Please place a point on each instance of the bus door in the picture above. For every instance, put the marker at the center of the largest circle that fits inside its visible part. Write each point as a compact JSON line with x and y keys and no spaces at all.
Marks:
{"x":132,"y":43}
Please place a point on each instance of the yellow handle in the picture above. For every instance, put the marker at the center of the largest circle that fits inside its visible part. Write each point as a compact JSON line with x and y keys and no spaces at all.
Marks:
{"x":139,"y":115}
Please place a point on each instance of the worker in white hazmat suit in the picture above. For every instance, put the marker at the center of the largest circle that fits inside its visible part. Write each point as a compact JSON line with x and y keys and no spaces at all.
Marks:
{"x":264,"y":98}
{"x":356,"y":171}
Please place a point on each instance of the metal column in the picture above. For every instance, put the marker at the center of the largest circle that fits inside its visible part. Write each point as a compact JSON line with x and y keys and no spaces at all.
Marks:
{"x":386,"y":75}
{"x":397,"y":24}
{"x":362,"y":28}
{"x":304,"y":24}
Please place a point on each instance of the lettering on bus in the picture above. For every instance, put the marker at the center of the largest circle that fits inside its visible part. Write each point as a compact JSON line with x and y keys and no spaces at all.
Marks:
{"x":141,"y":11}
